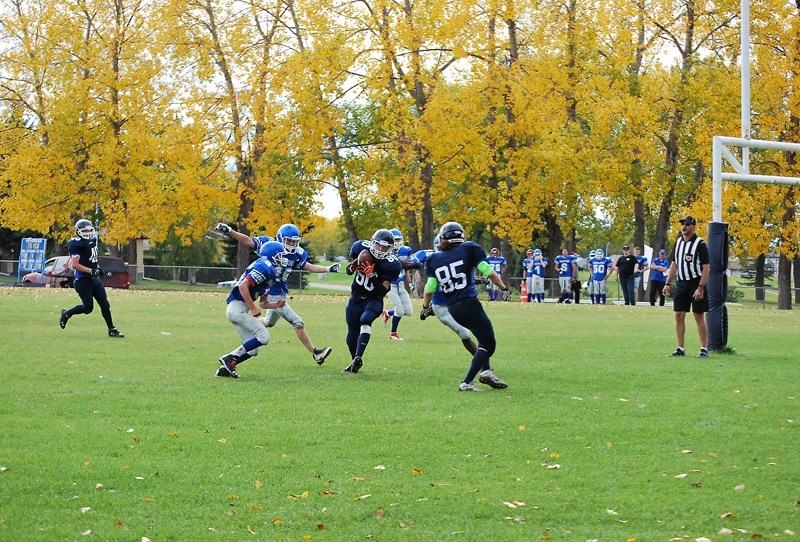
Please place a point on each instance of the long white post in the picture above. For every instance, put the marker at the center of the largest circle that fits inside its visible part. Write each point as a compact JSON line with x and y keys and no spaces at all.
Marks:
{"x":745,"y":81}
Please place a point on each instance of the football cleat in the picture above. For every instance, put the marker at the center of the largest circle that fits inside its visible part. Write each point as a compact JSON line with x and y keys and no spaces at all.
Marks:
{"x":489,"y":378}
{"x":229,"y":362}
{"x":465,"y":386}
{"x":222,"y":371}
{"x":115,"y":333}
{"x":385,"y":317}
{"x":703,"y":353}
{"x":355,"y":366}
{"x":395,"y":337}
{"x":677,"y":353}
{"x":64,"y":318}
{"x":321,"y":353}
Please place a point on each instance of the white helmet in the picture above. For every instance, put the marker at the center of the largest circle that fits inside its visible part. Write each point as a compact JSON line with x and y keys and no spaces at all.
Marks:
{"x":85,"y":230}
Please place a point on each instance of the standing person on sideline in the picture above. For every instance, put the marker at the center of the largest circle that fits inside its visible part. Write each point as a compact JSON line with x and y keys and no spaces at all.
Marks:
{"x":398,"y":292}
{"x":626,"y":268}
{"x":439,"y":303}
{"x":640,"y":269}
{"x":658,"y":268}
{"x":297,"y":257}
{"x":453,"y":271}
{"x":539,"y":267}
{"x":567,"y":267}
{"x":242,"y":311}
{"x":527,"y":272}
{"x":83,"y":258}
{"x":599,"y":269}
{"x":370,"y":285}
{"x":690,"y":264}
{"x":498,"y":263}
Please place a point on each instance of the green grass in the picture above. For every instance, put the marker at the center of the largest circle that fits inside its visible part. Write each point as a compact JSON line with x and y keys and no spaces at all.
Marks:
{"x":134,"y":438}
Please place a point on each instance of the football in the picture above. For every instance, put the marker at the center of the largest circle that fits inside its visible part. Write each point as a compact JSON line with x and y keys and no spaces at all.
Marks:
{"x":365,"y":256}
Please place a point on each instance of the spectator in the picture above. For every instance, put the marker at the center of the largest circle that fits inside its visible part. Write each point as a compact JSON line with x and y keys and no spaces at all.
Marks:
{"x":625,"y":269}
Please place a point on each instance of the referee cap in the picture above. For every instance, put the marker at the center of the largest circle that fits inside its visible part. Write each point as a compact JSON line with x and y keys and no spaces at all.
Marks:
{"x":689,"y":219}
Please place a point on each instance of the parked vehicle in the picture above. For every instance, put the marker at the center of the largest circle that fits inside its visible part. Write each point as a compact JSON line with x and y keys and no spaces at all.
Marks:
{"x":58,"y":275}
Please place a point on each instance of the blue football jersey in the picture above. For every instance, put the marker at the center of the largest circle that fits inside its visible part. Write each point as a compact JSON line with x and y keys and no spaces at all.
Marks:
{"x":642,"y":263}
{"x":387,"y":269}
{"x":260,"y":275}
{"x":86,"y":250}
{"x":259,"y":241}
{"x":403,"y":254}
{"x":297,"y":260}
{"x":598,"y":268}
{"x":538,"y":267}
{"x":564,"y":265}
{"x":498,"y":263}
{"x":453,"y":269}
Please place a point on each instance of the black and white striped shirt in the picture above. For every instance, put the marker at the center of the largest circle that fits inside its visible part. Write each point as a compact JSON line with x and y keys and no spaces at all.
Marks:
{"x":689,"y":257}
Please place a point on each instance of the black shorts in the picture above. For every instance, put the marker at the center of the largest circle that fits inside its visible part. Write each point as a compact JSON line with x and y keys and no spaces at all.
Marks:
{"x":684,"y":297}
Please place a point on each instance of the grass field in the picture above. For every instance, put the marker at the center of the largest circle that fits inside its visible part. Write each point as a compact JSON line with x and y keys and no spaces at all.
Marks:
{"x":599,"y":436}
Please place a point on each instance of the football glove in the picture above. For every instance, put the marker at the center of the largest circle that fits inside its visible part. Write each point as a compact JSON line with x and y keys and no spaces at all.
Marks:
{"x":366,"y":268}
{"x":97,"y":272}
{"x":334,"y":268}
{"x":223,"y":228}
{"x":504,"y":294}
{"x":425,"y":312}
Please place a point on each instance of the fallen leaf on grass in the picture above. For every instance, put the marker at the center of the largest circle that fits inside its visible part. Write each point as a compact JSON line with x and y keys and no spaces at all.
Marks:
{"x":85,"y":509}
{"x":416,"y":472}
{"x":740,"y":487}
{"x":144,"y":539}
{"x":702,"y":539}
{"x":3,"y":468}
{"x":521,"y":428}
{"x":612,"y":512}
{"x":514,"y":504}
{"x":725,"y":530}
{"x":554,"y":466}
{"x":329,"y":492}
{"x":358,"y":479}
{"x":277,"y":521}
{"x":320,"y":526}
{"x":303,"y":495}
{"x":686,"y":452}
{"x":379,"y":467}
{"x":362,"y":497}
{"x":251,"y":531}
{"x":681,"y":475}
{"x":258,"y":484}
{"x":518,"y":519}
{"x":726,"y":515}
{"x":255,"y":506}
{"x":378,"y":513}
{"x":87,"y":532}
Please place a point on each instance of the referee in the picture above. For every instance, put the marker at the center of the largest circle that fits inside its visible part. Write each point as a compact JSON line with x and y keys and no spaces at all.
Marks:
{"x":690,"y":266}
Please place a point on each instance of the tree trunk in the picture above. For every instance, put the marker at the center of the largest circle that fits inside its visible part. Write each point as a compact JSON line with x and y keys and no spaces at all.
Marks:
{"x":784,"y":282}
{"x":761,"y":263}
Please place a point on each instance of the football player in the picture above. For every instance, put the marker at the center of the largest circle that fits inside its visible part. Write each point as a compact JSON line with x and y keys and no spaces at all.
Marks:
{"x":289,"y":236}
{"x":600,"y":268}
{"x":398,"y":293}
{"x":567,"y":267}
{"x":243,"y":312}
{"x":83,"y":258}
{"x":452,"y":270}
{"x":538,"y":264}
{"x":371,"y":282}
{"x":499,"y":265}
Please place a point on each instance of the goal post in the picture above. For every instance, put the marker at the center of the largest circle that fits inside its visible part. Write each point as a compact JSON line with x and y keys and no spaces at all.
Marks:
{"x":717,"y":287}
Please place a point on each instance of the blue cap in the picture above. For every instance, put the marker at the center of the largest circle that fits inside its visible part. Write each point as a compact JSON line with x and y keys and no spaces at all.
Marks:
{"x":537,"y":251}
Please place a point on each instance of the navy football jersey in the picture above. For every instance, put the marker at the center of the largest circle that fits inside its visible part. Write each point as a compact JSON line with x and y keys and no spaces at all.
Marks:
{"x":453,"y":269}
{"x":261,"y":274}
{"x":86,"y":250}
{"x":387,"y":269}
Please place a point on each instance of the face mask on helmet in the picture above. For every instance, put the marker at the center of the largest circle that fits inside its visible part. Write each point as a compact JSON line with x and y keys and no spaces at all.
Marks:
{"x":289,"y":236}
{"x":84,"y":229}
{"x":274,"y":252}
{"x":398,"y":238}
{"x":494,"y":252}
{"x":381,"y":244}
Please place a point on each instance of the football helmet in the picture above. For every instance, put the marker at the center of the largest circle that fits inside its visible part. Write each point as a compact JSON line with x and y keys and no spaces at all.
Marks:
{"x":381,"y":244}
{"x":529,"y":252}
{"x":537,"y":252}
{"x":275,"y":253}
{"x":398,"y":238}
{"x":452,"y":232}
{"x":436,"y":243}
{"x":495,"y":252}
{"x":85,"y":229}
{"x":599,"y":253}
{"x":289,"y":236}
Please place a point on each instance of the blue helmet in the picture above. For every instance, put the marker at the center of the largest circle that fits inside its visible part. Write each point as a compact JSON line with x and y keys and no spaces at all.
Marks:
{"x":275,"y":253}
{"x":289,"y":236}
{"x":538,"y":252}
{"x":436,"y":243}
{"x":398,"y":237}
